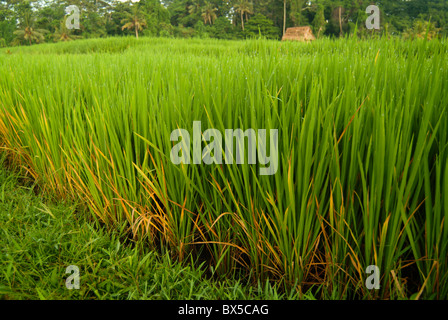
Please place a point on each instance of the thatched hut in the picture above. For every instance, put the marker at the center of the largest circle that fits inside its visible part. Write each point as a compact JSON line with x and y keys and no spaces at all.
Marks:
{"x":299,"y":34}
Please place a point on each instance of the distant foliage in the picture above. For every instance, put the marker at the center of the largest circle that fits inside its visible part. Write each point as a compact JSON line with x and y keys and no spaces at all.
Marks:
{"x":223,"y":19}
{"x":422,"y":30}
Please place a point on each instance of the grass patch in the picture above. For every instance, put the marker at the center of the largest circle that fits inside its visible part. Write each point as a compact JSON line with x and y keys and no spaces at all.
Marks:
{"x":40,"y":239}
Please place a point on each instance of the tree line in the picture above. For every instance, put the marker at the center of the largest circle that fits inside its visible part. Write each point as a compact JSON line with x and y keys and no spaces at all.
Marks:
{"x":24,"y":22}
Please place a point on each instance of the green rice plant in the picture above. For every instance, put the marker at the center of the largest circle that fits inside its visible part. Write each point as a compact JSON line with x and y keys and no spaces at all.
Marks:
{"x":363,"y":163}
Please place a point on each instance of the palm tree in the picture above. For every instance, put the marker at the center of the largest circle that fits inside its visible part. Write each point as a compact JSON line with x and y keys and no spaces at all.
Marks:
{"x":134,"y":21}
{"x":194,"y":7}
{"x":244,"y":8}
{"x":319,"y":20}
{"x":28,"y":33}
{"x":284,"y":17}
{"x":64,"y":34}
{"x":208,"y":13}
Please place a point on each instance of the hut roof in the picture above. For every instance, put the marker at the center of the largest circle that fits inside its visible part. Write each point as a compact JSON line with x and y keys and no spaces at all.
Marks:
{"x":299,"y":34}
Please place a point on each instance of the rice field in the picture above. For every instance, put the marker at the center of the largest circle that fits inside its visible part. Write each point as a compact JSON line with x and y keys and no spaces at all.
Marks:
{"x":362,"y":175}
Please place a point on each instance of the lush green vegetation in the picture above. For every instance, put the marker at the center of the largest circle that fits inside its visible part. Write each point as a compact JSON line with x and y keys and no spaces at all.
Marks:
{"x":35,"y":21}
{"x":41,"y":238}
{"x":363,"y":158}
